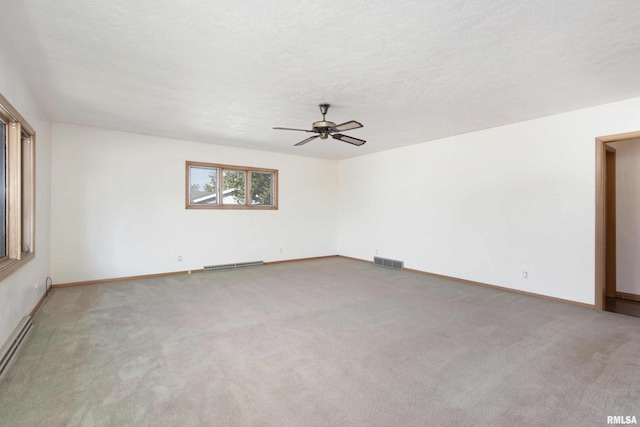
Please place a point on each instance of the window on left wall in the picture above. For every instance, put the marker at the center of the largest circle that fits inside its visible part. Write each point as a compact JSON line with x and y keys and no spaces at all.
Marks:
{"x":17,"y":190}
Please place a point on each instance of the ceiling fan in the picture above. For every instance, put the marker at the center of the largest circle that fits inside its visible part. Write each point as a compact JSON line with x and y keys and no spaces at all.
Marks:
{"x":325,"y":128}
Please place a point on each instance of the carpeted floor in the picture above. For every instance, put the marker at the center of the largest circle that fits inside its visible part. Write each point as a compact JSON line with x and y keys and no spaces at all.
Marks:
{"x":331,"y":342}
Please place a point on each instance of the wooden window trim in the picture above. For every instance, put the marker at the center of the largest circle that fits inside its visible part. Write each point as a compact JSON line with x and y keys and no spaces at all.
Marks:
{"x":16,"y":194}
{"x":221,"y":168}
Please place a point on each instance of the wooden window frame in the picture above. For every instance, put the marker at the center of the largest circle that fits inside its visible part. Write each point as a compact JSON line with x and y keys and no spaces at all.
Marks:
{"x":220,"y":170}
{"x":20,"y":190}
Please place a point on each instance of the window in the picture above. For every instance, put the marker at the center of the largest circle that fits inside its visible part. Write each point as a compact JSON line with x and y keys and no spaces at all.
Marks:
{"x":211,"y":186}
{"x":17,"y":190}
{"x":233,"y":187}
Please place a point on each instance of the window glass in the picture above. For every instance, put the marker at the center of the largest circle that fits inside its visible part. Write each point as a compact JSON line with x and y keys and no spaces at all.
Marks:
{"x":203,"y":185}
{"x":233,"y":187}
{"x":262,"y":185}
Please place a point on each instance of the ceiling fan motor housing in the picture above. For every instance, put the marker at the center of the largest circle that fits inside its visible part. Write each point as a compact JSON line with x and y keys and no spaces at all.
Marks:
{"x":322,"y":127}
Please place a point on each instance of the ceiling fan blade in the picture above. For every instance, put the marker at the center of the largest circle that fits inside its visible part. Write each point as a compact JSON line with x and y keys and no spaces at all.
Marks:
{"x":301,"y":130}
{"x":349,"y":139}
{"x":304,"y":141}
{"x":347,"y":126}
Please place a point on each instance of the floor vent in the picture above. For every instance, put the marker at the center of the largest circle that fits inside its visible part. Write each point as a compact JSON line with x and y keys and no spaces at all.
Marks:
{"x":232,"y":266}
{"x":391,"y":263}
{"x":10,"y":348}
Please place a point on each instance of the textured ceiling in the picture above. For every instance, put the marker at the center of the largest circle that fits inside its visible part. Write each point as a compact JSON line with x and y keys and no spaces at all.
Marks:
{"x":226,"y":72}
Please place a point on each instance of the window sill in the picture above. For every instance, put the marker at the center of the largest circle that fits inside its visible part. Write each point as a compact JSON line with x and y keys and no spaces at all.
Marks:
{"x":8,"y":266}
{"x":244,"y":207}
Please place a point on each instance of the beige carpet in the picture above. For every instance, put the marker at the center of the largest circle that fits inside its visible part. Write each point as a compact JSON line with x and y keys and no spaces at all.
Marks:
{"x":331,"y":342}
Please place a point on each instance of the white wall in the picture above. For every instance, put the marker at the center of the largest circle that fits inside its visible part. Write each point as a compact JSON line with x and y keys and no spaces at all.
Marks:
{"x":488,"y":205}
{"x":628,"y":216}
{"x":17,"y":292}
{"x":118,"y":207}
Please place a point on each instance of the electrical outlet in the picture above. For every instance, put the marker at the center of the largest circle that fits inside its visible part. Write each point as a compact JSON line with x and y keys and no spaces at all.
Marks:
{"x":179,"y":257}
{"x":280,"y":250}
{"x":36,"y":286}
{"x":376,"y":252}
{"x":525,"y":274}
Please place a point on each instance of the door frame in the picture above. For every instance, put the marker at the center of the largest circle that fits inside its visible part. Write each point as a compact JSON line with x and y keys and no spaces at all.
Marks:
{"x":610,"y":286}
{"x":601,"y":213}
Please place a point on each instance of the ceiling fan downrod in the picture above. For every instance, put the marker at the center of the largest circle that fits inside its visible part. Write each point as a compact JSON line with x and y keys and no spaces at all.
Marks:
{"x":323,"y":109}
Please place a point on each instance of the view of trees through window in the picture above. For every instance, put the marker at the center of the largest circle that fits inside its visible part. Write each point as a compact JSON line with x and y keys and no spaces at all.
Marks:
{"x":262,"y":188}
{"x":215,"y":186}
{"x":233,"y":186}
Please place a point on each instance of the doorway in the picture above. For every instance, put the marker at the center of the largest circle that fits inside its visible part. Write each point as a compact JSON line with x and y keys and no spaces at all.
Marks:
{"x":607,"y":295}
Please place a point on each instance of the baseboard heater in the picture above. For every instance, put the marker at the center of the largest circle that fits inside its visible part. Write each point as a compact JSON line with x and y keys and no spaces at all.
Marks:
{"x":10,"y":348}
{"x":232,"y":266}
{"x":390,"y":263}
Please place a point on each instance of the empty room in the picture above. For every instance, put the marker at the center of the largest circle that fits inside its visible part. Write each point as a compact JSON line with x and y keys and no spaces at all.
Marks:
{"x":301,"y":213}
